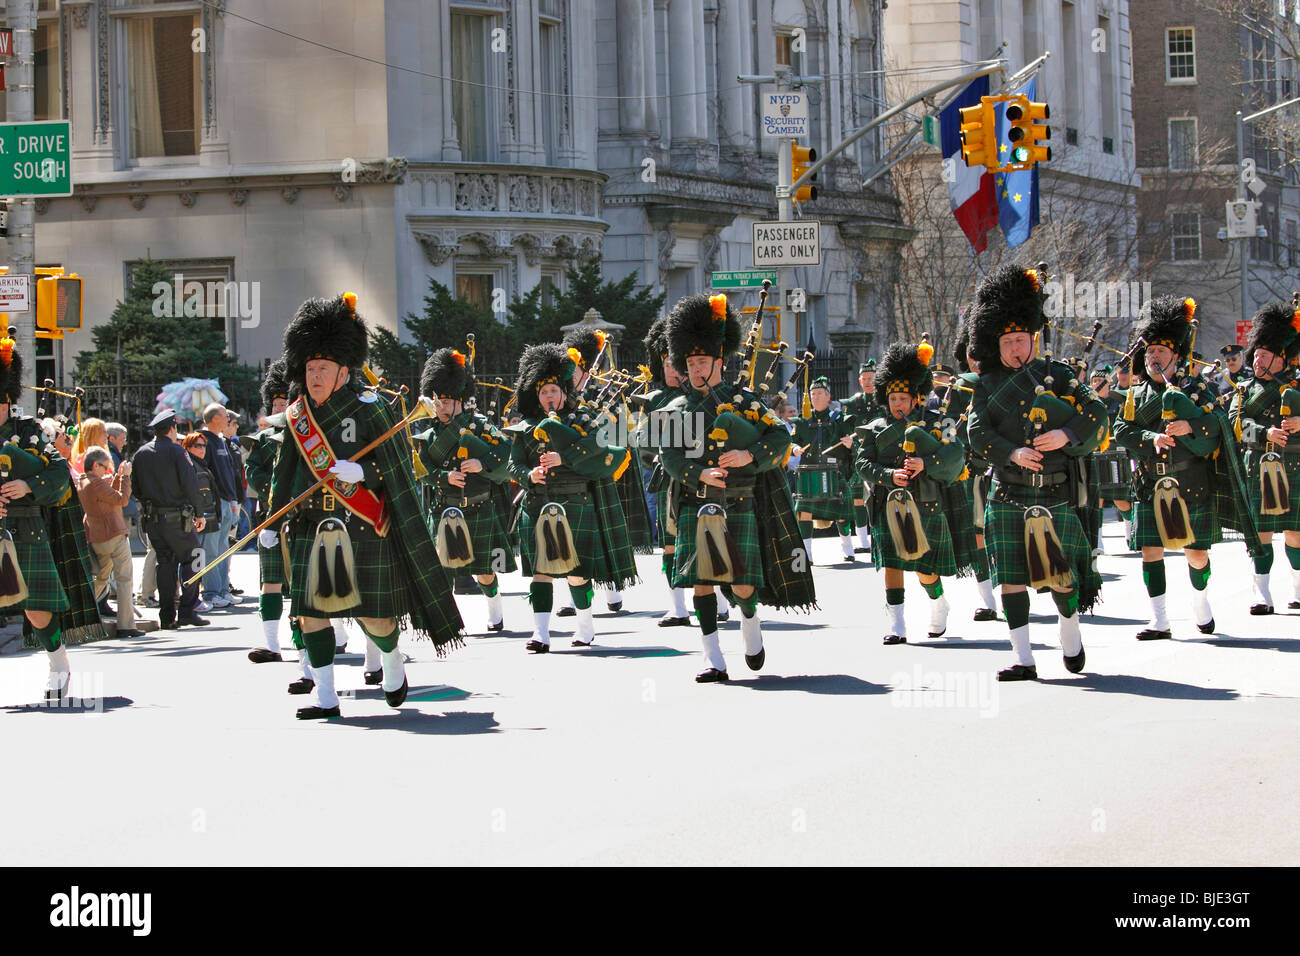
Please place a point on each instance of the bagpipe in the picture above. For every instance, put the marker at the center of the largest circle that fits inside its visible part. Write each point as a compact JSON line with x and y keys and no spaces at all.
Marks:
{"x":15,"y":462}
{"x":1274,"y":485}
{"x":902,"y":516}
{"x":453,"y":539}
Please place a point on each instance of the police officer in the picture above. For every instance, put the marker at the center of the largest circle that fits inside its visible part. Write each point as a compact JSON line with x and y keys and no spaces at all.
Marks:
{"x":1232,"y":364}
{"x":169,"y":497}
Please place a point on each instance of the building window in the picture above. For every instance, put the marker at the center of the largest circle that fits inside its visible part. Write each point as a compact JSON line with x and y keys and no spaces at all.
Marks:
{"x":551,"y":288}
{"x":783,"y":49}
{"x":471,"y":76}
{"x":164,"y":85}
{"x":475,"y":288}
{"x":1182,"y":143}
{"x":1112,"y":248}
{"x":1185,"y":239}
{"x":47,"y":72}
{"x":548,"y":44}
{"x":1180,"y":55}
{"x":206,"y":288}
{"x":1071,"y":136}
{"x":1108,"y":145}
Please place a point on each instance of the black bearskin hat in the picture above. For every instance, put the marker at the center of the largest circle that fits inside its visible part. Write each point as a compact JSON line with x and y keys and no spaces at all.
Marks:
{"x":275,"y":384}
{"x":325,"y":329}
{"x":1165,"y":320}
{"x":588,"y":342}
{"x":962,"y":345}
{"x":446,"y":375}
{"x":656,"y":346}
{"x":1277,"y":328}
{"x":11,"y":371}
{"x":1008,"y":299}
{"x":540,"y":365}
{"x":905,"y":368}
{"x":702,"y":325}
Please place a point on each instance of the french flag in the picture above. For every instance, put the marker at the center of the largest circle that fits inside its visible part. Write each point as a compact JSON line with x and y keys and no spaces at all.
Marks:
{"x":971,"y":190}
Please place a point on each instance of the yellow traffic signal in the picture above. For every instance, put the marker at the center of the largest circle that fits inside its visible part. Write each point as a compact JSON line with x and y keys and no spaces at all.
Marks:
{"x":979,"y":139}
{"x":1028,"y":128}
{"x":801,"y":157}
{"x":58,"y":303}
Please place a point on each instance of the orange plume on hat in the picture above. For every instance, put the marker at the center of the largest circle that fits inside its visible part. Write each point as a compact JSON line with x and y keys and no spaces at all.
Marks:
{"x":7,"y":350}
{"x":350,"y":300}
{"x":1189,"y":307}
{"x":600,"y":337}
{"x":925,"y":352}
{"x":718,"y":303}
{"x":575,"y":356}
{"x":458,"y":358}
{"x":1036,"y":278}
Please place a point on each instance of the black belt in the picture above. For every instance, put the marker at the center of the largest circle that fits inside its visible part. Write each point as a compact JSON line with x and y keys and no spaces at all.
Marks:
{"x":24,"y":510}
{"x":1038,"y":480}
{"x":569,"y":487}
{"x":1161,"y":468}
{"x":730,"y":493}
{"x":463,"y":502}
{"x":321,"y":501}
{"x":164,"y":514}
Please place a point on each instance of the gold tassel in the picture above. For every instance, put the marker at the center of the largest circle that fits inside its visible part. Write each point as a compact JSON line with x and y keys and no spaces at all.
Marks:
{"x":978,"y":491}
{"x":417,"y":465}
{"x":13,"y":587}
{"x":905,"y":526}
{"x":332,"y":593}
{"x":1172,"y":518}
{"x":821,"y":524}
{"x":1047,"y":564}
{"x":807,"y":400}
{"x":556,"y":552}
{"x":714,"y":550}
{"x":670,"y":519}
{"x":1275,"y":487}
{"x":454,"y":549}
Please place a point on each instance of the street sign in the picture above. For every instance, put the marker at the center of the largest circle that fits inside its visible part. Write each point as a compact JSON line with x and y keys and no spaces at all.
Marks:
{"x":1241,"y":218}
{"x":785,"y":113}
{"x":6,"y":42}
{"x":15,"y":293}
{"x":1243,"y":330}
{"x":797,"y":300}
{"x":35,"y":160}
{"x":750,"y":279}
{"x":930,"y":129}
{"x":787,"y":243}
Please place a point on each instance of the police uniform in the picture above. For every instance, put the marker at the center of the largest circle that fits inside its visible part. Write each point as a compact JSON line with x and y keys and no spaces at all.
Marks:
{"x":165,"y":484}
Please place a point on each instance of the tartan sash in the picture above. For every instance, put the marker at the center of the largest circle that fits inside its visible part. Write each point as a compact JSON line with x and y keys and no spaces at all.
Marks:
{"x":315,"y":450}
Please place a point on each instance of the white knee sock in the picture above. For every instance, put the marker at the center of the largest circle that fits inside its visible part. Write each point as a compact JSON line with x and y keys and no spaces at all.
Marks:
{"x":1295,"y":584}
{"x":586,"y":630}
{"x":1071,"y":638}
{"x":542,"y":627}
{"x":1020,"y":645}
{"x":713,"y":651}
{"x":325,"y":695}
{"x":60,"y":669}
{"x":985,"y":589}
{"x":494,"y":611}
{"x":846,"y":545}
{"x":679,"y":602}
{"x":1159,"y":615}
{"x":751,"y":629}
{"x":1201,"y":607}
{"x":807,"y":549}
{"x":303,"y":664}
{"x":372,"y":656}
{"x":613,"y":596}
{"x":897,"y":622}
{"x":1262,"y":593}
{"x":271,"y":632}
{"x":939,"y":614}
{"x":864,"y":537}
{"x":341,"y":637}
{"x":394,"y":669}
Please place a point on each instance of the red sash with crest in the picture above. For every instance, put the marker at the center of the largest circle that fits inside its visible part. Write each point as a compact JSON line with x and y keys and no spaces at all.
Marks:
{"x":316,"y":452}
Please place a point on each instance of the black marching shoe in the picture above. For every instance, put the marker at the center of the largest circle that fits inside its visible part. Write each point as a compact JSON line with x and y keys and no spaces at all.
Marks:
{"x":128,"y":632}
{"x":105,"y":610}
{"x":1151,"y":634}
{"x":1074,"y":664}
{"x":303,"y":685}
{"x":1019,"y":672}
{"x":373,"y":677}
{"x":1293,"y":605}
{"x":498,"y":626}
{"x":861,"y":550}
{"x":397,"y":697}
{"x":985,"y":614}
{"x":261,"y":655}
{"x":674,"y":622}
{"x":1206,"y":628}
{"x":755,"y":661}
{"x":711,"y":676}
{"x":537,"y":647}
{"x":191,"y":620}
{"x":1261,"y":609}
{"x":566,"y":612}
{"x":317,"y":713}
{"x":894,"y":639}
{"x":236,"y":591}
{"x":615,"y":606}
{"x":167,"y":624}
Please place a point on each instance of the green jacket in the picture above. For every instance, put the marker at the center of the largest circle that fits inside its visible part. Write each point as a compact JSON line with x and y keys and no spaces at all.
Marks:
{"x":698,"y":411}
{"x":819,"y":431}
{"x":495,"y":457}
{"x":861,"y":409}
{"x":1260,"y":408}
{"x":881,"y":453}
{"x":1138,"y":435}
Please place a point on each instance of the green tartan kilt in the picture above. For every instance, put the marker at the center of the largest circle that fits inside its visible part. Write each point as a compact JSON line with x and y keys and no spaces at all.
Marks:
{"x":580,"y":510}
{"x":811,"y":493}
{"x":1284,"y":522}
{"x":938,"y":560}
{"x":270,"y":563}
{"x":960,"y":500}
{"x":487,"y":538}
{"x":375,"y":563}
{"x":1205,"y":525}
{"x":661,"y":515}
{"x":36,"y":562}
{"x":1004,"y":534}
{"x":741,"y":525}
{"x":631,"y":495}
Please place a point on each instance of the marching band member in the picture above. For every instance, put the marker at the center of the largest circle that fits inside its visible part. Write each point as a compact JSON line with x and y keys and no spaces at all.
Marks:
{"x":822,"y":492}
{"x":861,"y":409}
{"x":974,"y":487}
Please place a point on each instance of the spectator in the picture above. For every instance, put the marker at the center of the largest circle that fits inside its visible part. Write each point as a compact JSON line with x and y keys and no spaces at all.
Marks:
{"x":103,"y":495}
{"x":196,"y":443}
{"x":225,"y":482}
{"x":92,"y":434}
{"x":237,"y":456}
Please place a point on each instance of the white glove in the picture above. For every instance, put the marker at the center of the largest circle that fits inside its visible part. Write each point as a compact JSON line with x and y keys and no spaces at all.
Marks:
{"x":267,"y":538}
{"x":348,"y":471}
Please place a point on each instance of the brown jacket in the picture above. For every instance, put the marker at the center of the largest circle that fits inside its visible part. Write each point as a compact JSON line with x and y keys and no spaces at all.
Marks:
{"x":103,"y":500}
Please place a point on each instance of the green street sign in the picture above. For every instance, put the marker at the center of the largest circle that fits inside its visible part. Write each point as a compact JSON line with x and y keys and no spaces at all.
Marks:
{"x":35,"y":159}
{"x":930,"y":129}
{"x":749,"y":279}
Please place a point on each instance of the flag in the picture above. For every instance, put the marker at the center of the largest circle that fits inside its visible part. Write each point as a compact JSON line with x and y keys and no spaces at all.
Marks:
{"x":970,"y":190}
{"x":1017,"y":191}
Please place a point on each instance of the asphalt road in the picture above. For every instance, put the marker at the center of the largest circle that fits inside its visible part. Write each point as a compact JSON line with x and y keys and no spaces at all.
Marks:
{"x":180,"y":751}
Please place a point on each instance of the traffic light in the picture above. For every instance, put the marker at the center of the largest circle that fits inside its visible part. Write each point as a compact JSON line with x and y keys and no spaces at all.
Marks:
{"x":1028,"y":127}
{"x":801,"y":157}
{"x":979,"y":146}
{"x":58,"y":303}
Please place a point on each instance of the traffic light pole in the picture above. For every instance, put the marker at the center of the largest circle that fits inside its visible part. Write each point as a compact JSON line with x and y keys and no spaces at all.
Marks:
{"x":22,"y":218}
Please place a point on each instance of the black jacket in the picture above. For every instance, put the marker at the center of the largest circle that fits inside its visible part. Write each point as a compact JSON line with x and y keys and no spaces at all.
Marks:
{"x":163,"y":476}
{"x":222,"y":466}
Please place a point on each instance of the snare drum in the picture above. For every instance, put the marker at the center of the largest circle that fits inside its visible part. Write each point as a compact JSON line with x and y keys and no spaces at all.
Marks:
{"x":1115,"y":474}
{"x":820,"y":486}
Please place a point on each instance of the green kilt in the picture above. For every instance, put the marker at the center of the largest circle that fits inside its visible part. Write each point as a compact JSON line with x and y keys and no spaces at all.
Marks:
{"x":580,"y":510}
{"x":487,"y":539}
{"x":36,"y":562}
{"x":270,"y":563}
{"x":959,"y":499}
{"x":375,"y":578}
{"x":741,"y":525}
{"x":631,"y":495}
{"x":1004,"y":535}
{"x":662,"y":515}
{"x":938,"y":560}
{"x":1284,"y":522}
{"x":1205,"y":524}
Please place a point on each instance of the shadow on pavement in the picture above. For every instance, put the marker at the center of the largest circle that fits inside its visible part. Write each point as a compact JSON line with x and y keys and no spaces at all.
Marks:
{"x":831,"y":684}
{"x":413,"y":721}
{"x":424,"y":692}
{"x":71,"y":705}
{"x":1144,"y":687}
{"x":1106,"y":619}
{"x":627,"y":652}
{"x":1289,"y":644}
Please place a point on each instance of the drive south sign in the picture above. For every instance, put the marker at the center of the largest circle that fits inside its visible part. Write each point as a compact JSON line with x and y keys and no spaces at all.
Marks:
{"x":34,"y":159}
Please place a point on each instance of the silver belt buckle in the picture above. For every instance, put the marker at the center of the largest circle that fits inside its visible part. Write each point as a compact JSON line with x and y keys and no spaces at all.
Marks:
{"x":1036,"y":479}
{"x":1162,"y":469}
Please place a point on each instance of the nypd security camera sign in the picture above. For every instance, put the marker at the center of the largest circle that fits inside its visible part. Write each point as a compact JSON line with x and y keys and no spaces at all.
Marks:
{"x":785,"y":113}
